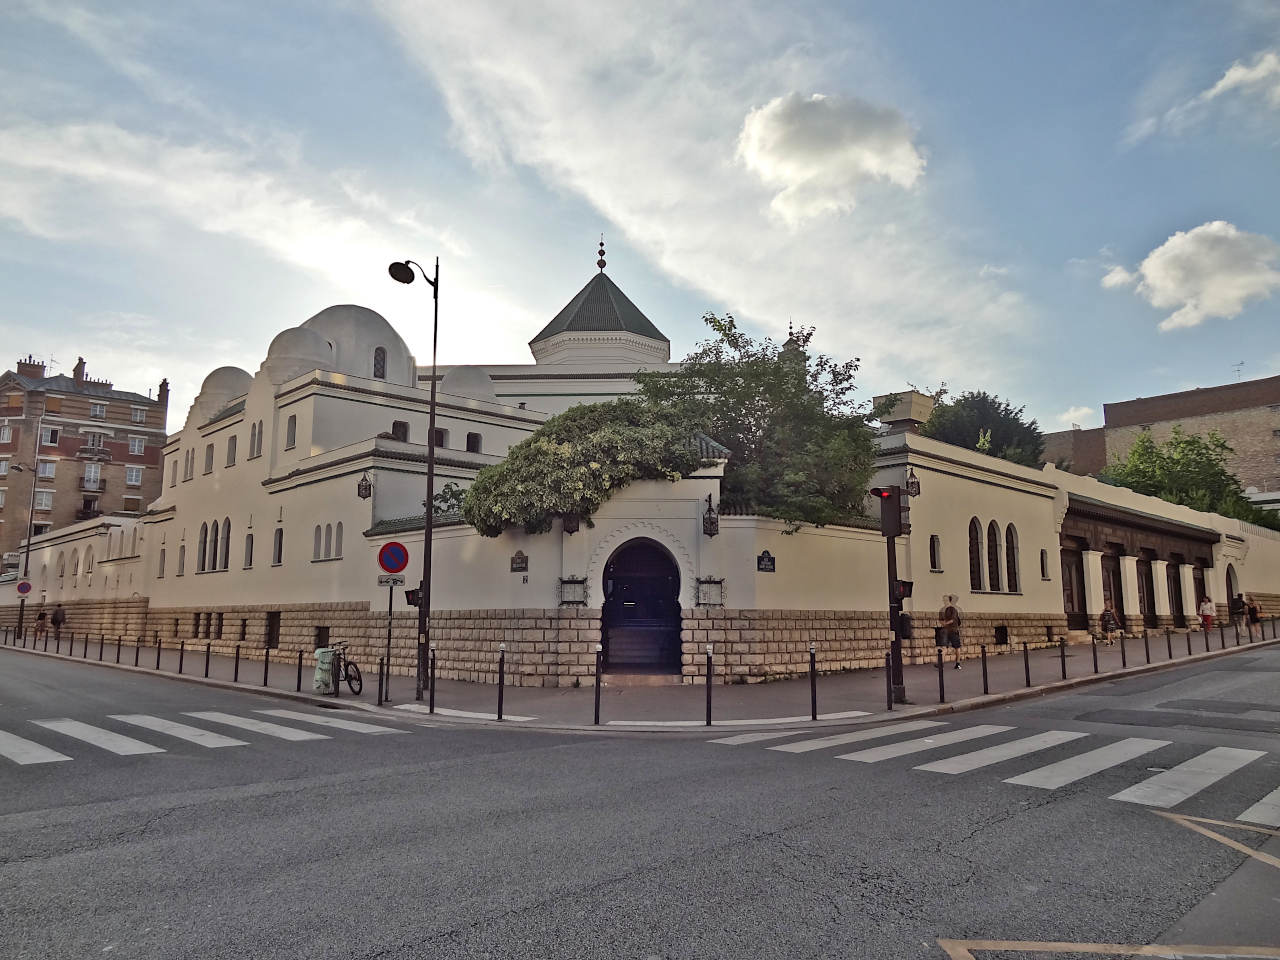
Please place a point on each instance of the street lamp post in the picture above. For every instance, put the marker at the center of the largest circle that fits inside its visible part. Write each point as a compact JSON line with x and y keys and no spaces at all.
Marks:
{"x":402,"y":272}
{"x":31,"y":515}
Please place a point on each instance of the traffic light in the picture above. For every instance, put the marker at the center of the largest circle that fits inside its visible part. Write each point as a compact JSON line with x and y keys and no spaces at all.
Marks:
{"x":901,"y":589}
{"x":413,"y":597}
{"x":890,"y":509}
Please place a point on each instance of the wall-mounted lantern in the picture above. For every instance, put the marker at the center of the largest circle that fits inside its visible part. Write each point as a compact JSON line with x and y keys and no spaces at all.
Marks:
{"x":364,"y":487}
{"x":913,"y":483}
{"x":710,"y":519}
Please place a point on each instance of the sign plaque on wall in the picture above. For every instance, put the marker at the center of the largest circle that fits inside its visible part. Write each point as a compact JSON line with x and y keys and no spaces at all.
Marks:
{"x":519,"y":562}
{"x":765,"y":562}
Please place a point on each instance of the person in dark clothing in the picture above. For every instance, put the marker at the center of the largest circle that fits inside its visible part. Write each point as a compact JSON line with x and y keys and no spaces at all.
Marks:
{"x":1236,"y":608}
{"x":1253,"y":617}
{"x":58,"y":619}
{"x":42,"y":624}
{"x":949,"y":625}
{"x":1110,"y":624}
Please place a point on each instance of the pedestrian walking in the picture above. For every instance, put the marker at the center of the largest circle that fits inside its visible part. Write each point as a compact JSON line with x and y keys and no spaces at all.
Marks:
{"x":1110,"y":624}
{"x":58,"y":619}
{"x":1253,"y":616}
{"x":949,"y":625}
{"x":1207,"y":611}
{"x":42,"y":624}
{"x":1236,"y":609}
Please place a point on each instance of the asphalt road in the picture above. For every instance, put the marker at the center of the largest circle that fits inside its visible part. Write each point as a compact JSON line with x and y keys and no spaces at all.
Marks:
{"x":484,"y":842}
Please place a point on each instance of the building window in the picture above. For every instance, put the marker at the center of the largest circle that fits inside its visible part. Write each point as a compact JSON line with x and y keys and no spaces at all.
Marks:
{"x":208,"y":458}
{"x":2,"y":493}
{"x":1011,"y":559}
{"x":315,"y":549}
{"x":975,"y":554}
{"x":93,"y":441}
{"x":202,"y":545}
{"x":173,"y":473}
{"x":182,"y":560}
{"x":138,"y":415}
{"x":400,"y":430}
{"x":4,"y":468}
{"x":160,"y":571}
{"x":132,"y":476}
{"x":53,"y":405}
{"x":442,"y":437}
{"x":231,"y":450}
{"x":92,"y":476}
{"x":46,"y":469}
{"x":337,"y":540}
{"x":225,"y":560}
{"x":212,"y":562}
{"x":1044,"y":564}
{"x":132,"y":504}
{"x":40,"y":529}
{"x":993,"y":556}
{"x":253,"y":440}
{"x":6,"y":434}
{"x":291,"y":432}
{"x":473,"y":443}
{"x":49,"y":436}
{"x":248,"y":550}
{"x":277,"y":548}
{"x":13,"y":400}
{"x":137,"y":445}
{"x":328,"y":540}
{"x":44,"y":500}
{"x":935,"y":553}
{"x":380,"y":364}
{"x":258,"y":450}
{"x":98,"y":411}
{"x":1274,"y":433}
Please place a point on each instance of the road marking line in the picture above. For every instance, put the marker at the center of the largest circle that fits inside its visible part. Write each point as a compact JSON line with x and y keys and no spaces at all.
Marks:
{"x":1170,"y":788}
{"x":325,"y":721}
{"x":1005,"y":751}
{"x":468,"y":714}
{"x":25,"y":752}
{"x":754,"y":722}
{"x":754,"y":737}
{"x":258,"y":726}
{"x":891,"y":750}
{"x":1189,"y":823}
{"x":835,"y":740}
{"x":963,"y":949}
{"x":203,"y":738}
{"x":1266,"y":811}
{"x":1087,"y":764}
{"x":106,"y":739}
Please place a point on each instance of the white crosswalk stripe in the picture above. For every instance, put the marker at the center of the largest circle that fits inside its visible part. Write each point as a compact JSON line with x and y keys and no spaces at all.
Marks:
{"x":871,"y":733}
{"x":1171,"y":787}
{"x":106,"y":739}
{"x":997,"y":754}
{"x":906,"y":747}
{"x":1087,"y":764}
{"x":1266,"y":811}
{"x":754,"y":737}
{"x":327,"y":721}
{"x":258,"y":726}
{"x":25,"y":752}
{"x":182,"y":731}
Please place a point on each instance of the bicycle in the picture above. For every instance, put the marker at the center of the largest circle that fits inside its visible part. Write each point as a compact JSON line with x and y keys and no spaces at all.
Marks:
{"x":344,"y":669}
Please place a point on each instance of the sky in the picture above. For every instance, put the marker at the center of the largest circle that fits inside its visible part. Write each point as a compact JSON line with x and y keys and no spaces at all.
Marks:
{"x":1063,"y":204}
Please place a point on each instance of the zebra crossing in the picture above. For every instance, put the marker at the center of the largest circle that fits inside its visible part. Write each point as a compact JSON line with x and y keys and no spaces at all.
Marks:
{"x":50,"y":737}
{"x":1164,"y":789}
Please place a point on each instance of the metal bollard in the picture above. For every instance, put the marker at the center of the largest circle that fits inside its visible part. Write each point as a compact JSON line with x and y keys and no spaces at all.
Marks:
{"x":813,"y":682}
{"x":182,"y":654}
{"x":137,"y":649}
{"x":1093,"y":642}
{"x":1168,"y":639}
{"x":46,"y":641}
{"x":207,"y":649}
{"x":102,"y":646}
{"x":266,"y":665}
{"x":502,"y":670}
{"x":1188,"y":643}
{"x":84,"y":654}
{"x":1026,"y":663}
{"x":1124,"y":654}
{"x":710,"y":677}
{"x":1206,"y":639}
{"x":1222,"y":638}
{"x":1062,"y":656}
{"x":431,"y":680}
{"x":299,"y":687}
{"x":942,"y":682}
{"x":117,"y":649}
{"x":599,"y":658}
{"x":985,"y":687}
{"x":381,"y":663}
{"x":1146,"y":645}
{"x":235,"y":674}
{"x":157,"y":653}
{"x":888,"y":682}
{"x":1236,"y":628}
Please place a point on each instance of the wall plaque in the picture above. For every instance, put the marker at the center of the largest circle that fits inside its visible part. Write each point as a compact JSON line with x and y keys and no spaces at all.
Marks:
{"x":765,"y":562}
{"x":519,"y":562}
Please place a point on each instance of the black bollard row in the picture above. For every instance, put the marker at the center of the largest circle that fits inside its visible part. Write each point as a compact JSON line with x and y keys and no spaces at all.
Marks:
{"x":985,"y":686}
{"x":502,"y":670}
{"x":599,"y":659}
{"x":813,"y":682}
{"x":710,"y":677}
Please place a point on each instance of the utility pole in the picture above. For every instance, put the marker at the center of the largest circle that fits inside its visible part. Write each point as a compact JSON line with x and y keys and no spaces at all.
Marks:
{"x":895,"y":520}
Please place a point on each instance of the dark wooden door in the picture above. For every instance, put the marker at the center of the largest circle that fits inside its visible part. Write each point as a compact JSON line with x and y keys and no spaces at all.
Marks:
{"x":273,"y":629}
{"x":1073,"y":590}
{"x":1112,"y":588}
{"x":641,"y":616}
{"x":1174,"y":575}
{"x":1146,"y":593}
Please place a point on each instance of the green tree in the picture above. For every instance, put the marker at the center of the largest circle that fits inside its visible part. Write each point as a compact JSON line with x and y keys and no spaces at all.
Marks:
{"x":577,"y":460}
{"x":1190,"y":470}
{"x":800,"y":448}
{"x":980,"y":421}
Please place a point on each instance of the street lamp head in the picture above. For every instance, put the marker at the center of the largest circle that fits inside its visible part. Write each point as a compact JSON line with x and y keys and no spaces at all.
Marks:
{"x":401,"y":272}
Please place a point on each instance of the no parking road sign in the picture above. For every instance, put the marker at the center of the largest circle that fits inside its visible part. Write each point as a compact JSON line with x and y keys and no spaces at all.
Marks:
{"x":393,"y":557}
{"x":24,"y":587}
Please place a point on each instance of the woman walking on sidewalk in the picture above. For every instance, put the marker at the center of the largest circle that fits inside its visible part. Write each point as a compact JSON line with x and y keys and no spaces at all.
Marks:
{"x":949,"y":625}
{"x":1253,"y":616}
{"x":1207,"y":610}
{"x":1109,"y":623}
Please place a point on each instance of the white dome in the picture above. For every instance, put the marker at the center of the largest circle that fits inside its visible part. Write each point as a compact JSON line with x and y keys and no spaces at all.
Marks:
{"x":470,"y":382}
{"x":297,"y":351}
{"x":218,"y":390}
{"x":356,"y":333}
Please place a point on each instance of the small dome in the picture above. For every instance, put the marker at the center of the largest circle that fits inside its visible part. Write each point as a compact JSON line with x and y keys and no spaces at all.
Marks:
{"x":472,"y":382}
{"x":218,"y":390}
{"x":357,"y":334}
{"x":297,"y":351}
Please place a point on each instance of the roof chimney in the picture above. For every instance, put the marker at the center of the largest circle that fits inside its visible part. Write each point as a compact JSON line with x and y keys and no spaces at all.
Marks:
{"x":31,"y":367}
{"x":77,"y":373}
{"x":162,"y":395}
{"x":910,"y":410}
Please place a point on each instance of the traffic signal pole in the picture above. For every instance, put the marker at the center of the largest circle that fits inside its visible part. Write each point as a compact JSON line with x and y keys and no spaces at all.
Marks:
{"x":891,"y":525}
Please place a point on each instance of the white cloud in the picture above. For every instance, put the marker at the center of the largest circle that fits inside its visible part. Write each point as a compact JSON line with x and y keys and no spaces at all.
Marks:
{"x":1075,"y":414}
{"x":991,"y":270}
{"x":1213,"y":270}
{"x":1259,"y":81}
{"x":821,"y":150}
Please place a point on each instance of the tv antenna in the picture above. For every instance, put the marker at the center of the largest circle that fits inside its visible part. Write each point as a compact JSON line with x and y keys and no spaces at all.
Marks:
{"x":1239,"y":368}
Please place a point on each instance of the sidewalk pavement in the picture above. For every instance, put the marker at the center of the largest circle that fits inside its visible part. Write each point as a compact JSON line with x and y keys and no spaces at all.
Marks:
{"x":840,"y":696}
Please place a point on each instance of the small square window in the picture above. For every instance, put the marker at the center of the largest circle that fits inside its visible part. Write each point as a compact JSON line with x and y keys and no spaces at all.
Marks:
{"x":133,"y":476}
{"x":138,"y":415}
{"x":46,"y":469}
{"x":49,"y":436}
{"x":44,"y":500}
{"x":137,"y":445}
{"x":53,"y":405}
{"x":98,"y":411}
{"x":6,"y":434}
{"x":4,"y":468}
{"x":2,"y":493}
{"x":39,"y":529}
{"x":93,"y":441}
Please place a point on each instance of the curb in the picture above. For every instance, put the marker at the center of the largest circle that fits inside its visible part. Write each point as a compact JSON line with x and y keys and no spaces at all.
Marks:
{"x":940,"y":709}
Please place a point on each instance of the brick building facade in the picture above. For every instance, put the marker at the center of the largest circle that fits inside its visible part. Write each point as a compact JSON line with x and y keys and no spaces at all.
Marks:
{"x":88,"y":448}
{"x":1246,"y":414}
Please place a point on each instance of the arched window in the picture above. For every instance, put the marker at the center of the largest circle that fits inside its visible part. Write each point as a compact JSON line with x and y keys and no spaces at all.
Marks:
{"x":111,"y":544}
{"x":62,"y":565}
{"x":337,"y":540}
{"x":1011,"y":580}
{"x":379,"y":364}
{"x":212,"y":562}
{"x":1044,"y":564}
{"x":291,"y":431}
{"x":226,"y":543}
{"x":935,"y":553}
{"x":975,"y":554}
{"x":88,"y":560}
{"x":473,"y":443}
{"x":315,"y":549}
{"x":182,"y":559}
{"x":993,"y":556}
{"x":328,"y":540}
{"x":248,"y":550}
{"x":277,"y":548}
{"x":75,"y":564}
{"x":259,"y":450}
{"x":253,"y":439}
{"x":201,"y":546}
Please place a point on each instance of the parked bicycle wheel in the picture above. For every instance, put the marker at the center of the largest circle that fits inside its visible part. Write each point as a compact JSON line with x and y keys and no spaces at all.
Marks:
{"x":353,"y":678}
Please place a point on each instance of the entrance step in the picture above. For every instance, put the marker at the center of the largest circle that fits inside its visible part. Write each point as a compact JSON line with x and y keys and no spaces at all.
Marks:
{"x":637,"y":679}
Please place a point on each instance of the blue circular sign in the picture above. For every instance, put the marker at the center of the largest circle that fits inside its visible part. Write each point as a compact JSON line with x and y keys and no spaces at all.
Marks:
{"x":393,"y":557}
{"x":24,"y":587}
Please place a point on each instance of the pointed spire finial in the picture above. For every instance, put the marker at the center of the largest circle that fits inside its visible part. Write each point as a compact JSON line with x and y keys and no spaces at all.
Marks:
{"x":600,"y":262}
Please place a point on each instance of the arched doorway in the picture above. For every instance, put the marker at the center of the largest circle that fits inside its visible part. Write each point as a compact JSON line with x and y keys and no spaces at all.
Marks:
{"x":1233,"y":584}
{"x":640,"y":622}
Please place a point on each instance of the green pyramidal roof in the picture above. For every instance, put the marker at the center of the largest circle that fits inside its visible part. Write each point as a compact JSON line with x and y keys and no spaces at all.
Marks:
{"x":600,"y":306}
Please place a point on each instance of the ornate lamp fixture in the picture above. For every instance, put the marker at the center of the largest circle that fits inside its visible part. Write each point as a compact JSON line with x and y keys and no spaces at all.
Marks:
{"x":710,"y":519}
{"x":913,"y":483}
{"x":364,"y":487}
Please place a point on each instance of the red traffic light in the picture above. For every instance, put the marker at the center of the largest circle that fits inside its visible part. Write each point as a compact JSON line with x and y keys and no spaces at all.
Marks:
{"x":884,"y":493}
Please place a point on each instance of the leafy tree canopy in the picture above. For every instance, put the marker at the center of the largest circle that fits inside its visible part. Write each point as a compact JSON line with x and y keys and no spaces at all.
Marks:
{"x":1190,"y":470}
{"x":578,"y":459}
{"x":980,"y":421}
{"x":800,"y":449}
